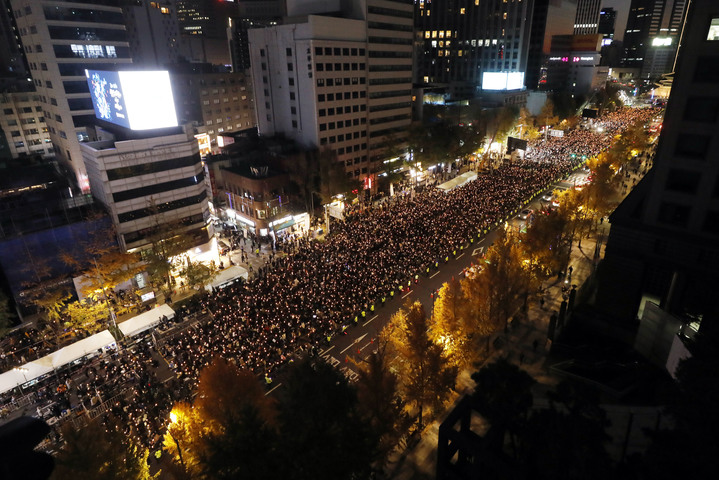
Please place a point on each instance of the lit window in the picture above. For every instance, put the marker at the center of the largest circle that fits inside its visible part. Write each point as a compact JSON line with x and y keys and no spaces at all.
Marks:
{"x":713,"y":34}
{"x":427,"y":34}
{"x":461,"y":11}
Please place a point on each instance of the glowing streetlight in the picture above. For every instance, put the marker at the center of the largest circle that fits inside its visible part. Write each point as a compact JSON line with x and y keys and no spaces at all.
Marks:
{"x":174,"y":418}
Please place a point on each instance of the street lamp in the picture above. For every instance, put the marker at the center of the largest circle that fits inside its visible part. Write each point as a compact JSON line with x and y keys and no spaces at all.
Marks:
{"x":174,"y":421}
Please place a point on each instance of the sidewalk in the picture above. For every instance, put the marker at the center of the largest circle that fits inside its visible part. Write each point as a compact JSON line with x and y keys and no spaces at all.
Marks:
{"x":419,"y":462}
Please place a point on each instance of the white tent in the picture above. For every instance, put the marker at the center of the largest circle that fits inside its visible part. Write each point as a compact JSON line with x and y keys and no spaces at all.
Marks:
{"x":145,"y":320}
{"x":24,"y":374}
{"x":57,"y":359}
{"x":226,"y":276}
{"x":457,"y":181}
{"x":81,"y":348}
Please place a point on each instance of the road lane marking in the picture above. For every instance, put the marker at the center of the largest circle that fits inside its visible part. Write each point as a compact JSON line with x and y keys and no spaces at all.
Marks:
{"x":459,"y":256}
{"x":368,"y":344}
{"x":327,"y":351}
{"x":368,"y":321}
{"x":273,"y":389}
{"x":356,"y":341}
{"x":406,"y":294}
{"x":434,"y":274}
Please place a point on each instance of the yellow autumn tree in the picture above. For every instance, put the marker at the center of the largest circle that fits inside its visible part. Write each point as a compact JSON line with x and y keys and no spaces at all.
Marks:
{"x":426,"y":372}
{"x":449,"y":326}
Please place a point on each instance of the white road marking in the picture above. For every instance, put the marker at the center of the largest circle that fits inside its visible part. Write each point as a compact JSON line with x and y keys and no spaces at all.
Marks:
{"x":368,"y":321}
{"x":273,"y":389}
{"x":459,"y":256}
{"x":327,"y":351}
{"x":434,"y":274}
{"x":406,"y":294}
{"x":357,"y":340}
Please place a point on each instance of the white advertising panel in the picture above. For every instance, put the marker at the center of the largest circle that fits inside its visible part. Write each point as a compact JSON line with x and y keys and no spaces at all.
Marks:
{"x":138,"y":100}
{"x":502,"y":80}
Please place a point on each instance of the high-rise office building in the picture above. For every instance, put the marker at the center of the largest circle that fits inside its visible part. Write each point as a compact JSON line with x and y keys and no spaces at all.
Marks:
{"x":14,"y":70}
{"x":664,"y":242}
{"x":251,"y":14}
{"x":586,"y":22}
{"x":215,"y":103}
{"x":153,"y":32}
{"x":535,"y":56}
{"x":61,"y":41}
{"x":340,"y":81}
{"x":23,"y":124}
{"x":607,"y":22}
{"x":457,"y":42}
{"x":652,"y":36}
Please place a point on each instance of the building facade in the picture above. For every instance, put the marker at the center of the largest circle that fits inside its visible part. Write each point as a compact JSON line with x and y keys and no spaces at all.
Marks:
{"x":213,"y":102}
{"x":586,"y":21}
{"x":663,"y":244}
{"x":23,"y":123}
{"x":340,"y":82}
{"x":652,"y":36}
{"x":456,"y":42}
{"x":148,"y":184}
{"x":61,"y":41}
{"x":153,"y":32}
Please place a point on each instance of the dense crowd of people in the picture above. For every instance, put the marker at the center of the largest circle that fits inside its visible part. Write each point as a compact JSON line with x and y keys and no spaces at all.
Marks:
{"x":305,"y":297}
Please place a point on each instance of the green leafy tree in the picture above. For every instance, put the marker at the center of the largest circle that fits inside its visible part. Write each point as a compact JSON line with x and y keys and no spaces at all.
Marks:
{"x":198,"y":274}
{"x":322,"y":433}
{"x":167,"y":241}
{"x":428,"y":375}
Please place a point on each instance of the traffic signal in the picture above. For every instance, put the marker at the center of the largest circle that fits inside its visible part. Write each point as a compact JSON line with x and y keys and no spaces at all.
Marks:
{"x":18,"y":457}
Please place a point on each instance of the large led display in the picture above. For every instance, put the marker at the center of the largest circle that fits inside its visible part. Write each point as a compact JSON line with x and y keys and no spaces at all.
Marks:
{"x":502,"y":80}
{"x":138,"y":100}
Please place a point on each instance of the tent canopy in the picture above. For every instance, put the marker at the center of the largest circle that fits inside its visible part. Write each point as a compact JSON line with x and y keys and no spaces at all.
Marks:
{"x":145,"y":320}
{"x":42,"y":366}
{"x":226,"y":276}
{"x":457,"y":181}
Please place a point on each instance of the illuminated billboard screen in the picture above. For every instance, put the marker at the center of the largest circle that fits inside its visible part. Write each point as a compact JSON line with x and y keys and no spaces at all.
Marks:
{"x":138,"y":100}
{"x":502,"y":80}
